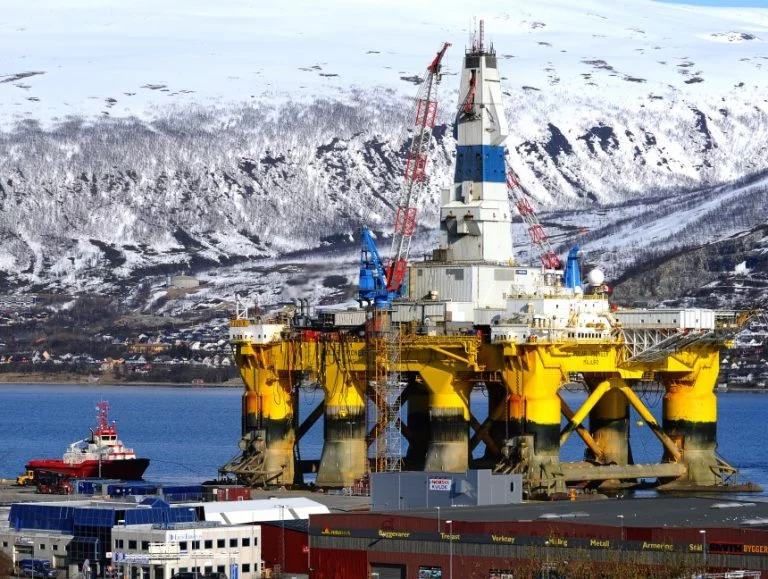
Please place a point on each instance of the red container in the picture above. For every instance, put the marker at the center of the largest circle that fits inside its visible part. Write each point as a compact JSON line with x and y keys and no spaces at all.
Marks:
{"x":233,"y":493}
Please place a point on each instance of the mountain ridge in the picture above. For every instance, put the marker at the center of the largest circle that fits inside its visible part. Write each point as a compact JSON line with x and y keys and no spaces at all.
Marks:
{"x":646,"y":122}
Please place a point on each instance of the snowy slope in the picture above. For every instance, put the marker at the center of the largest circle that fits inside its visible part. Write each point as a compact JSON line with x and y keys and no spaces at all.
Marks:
{"x":152,"y":137}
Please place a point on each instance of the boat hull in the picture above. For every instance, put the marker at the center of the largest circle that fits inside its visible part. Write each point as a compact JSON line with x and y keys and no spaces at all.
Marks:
{"x":130,"y":469}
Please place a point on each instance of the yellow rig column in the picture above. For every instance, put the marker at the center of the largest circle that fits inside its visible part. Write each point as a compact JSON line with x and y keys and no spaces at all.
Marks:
{"x":268,"y":410}
{"x":448,"y":449}
{"x":505,"y":412}
{"x":690,"y":416}
{"x":609,"y":425}
{"x":344,"y":450}
{"x":540,"y":414}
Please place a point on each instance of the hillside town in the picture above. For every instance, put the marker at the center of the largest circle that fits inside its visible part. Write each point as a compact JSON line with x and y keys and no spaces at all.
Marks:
{"x":38,"y":339}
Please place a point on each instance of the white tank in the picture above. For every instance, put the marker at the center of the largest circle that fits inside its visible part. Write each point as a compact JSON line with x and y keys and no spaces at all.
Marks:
{"x":596,"y":277}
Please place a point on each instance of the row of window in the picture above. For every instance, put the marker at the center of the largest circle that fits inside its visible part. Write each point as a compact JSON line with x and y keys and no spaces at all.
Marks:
{"x":190,"y":545}
{"x":244,"y":567}
{"x":40,"y":547}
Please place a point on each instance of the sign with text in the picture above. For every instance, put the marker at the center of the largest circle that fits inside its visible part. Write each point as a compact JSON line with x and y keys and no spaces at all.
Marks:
{"x":130,"y":558}
{"x":440,"y":484}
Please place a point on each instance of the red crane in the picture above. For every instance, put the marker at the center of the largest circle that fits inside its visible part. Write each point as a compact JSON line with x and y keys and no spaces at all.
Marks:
{"x":539,"y":237}
{"x":415,"y":173}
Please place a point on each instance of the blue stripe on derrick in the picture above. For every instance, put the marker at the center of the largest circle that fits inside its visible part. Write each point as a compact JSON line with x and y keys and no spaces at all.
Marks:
{"x":480,"y":163}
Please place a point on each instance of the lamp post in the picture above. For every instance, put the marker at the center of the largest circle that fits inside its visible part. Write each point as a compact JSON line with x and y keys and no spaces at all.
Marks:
{"x":438,"y":520}
{"x":450,"y":549}
{"x":282,"y":539}
{"x":546,"y":556}
{"x":704,"y":548}
{"x":195,"y":570}
{"x":621,"y":521}
{"x":349,"y":466}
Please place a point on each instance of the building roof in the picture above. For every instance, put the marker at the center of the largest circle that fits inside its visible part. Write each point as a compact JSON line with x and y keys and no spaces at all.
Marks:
{"x":300,"y":525}
{"x":669,"y":511}
{"x":254,"y":511}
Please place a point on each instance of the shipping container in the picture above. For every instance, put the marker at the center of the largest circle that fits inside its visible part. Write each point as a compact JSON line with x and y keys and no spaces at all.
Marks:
{"x":233,"y":493}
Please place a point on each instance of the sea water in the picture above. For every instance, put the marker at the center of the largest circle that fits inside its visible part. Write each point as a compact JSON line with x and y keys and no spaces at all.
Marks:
{"x":188,"y":433}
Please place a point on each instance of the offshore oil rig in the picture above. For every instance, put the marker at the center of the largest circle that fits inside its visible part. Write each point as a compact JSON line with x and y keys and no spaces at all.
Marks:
{"x":402,"y":365}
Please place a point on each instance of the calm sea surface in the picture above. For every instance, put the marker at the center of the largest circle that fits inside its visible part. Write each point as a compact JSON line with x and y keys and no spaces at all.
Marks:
{"x":187,"y":433}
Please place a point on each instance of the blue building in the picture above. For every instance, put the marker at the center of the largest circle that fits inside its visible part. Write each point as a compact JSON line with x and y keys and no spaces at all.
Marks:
{"x":69,"y":533}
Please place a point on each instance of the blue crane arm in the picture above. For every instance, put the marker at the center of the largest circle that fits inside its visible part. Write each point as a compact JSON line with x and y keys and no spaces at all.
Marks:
{"x":373,"y":278}
{"x":572,"y":274}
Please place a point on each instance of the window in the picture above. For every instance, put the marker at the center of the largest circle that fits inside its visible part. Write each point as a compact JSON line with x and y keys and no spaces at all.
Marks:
{"x":182,"y":545}
{"x":145,"y":545}
{"x":5,"y":543}
{"x":221,"y":543}
{"x":246,"y":567}
{"x":196,"y":545}
{"x":42,"y":546}
{"x":132,"y":544}
{"x":255,"y":541}
{"x":119,"y":543}
{"x":246,"y":541}
{"x":208,"y":544}
{"x":55,"y":547}
{"x":208,"y":569}
{"x":233,"y":542}
{"x":220,"y":569}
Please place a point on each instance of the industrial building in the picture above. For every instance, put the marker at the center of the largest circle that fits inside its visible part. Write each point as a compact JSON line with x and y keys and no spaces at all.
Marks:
{"x":160,"y":551}
{"x":396,"y":491}
{"x":147,"y":538}
{"x":687,"y":535}
{"x":68,"y":533}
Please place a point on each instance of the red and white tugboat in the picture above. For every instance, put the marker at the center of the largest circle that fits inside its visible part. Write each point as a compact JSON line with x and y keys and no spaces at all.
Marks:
{"x":102,"y":455}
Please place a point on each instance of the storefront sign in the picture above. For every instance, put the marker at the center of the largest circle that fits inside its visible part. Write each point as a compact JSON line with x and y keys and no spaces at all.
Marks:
{"x":440,"y":484}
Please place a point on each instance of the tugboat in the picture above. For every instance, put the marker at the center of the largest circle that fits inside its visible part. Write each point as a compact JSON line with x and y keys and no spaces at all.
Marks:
{"x":101,"y":455}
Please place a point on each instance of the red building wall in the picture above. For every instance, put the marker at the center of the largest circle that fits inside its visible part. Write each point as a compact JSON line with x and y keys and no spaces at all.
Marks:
{"x":339,"y":564}
{"x":296,"y":549}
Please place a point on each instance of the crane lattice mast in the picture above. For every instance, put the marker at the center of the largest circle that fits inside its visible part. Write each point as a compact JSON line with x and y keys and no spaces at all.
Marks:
{"x":538,"y":235}
{"x":414,"y":175}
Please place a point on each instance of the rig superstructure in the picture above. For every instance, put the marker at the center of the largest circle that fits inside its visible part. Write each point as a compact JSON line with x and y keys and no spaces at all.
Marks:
{"x":428,"y":332}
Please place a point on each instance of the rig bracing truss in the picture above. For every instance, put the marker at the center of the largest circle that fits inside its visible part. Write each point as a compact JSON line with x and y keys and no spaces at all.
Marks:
{"x":386,"y":392}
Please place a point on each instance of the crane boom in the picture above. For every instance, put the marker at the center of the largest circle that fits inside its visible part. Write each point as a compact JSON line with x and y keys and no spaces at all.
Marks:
{"x":539,"y":237}
{"x":414,"y":175}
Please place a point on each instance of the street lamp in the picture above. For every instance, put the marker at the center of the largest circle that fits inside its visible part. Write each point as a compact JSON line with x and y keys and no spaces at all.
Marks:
{"x":704,"y":547}
{"x":282,"y":538}
{"x":621,"y":521}
{"x":450,"y":549}
{"x":438,"y":520}
{"x":546,"y":556}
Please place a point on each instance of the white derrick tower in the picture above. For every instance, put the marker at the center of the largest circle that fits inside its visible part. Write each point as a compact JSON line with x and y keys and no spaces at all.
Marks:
{"x":475,"y":217}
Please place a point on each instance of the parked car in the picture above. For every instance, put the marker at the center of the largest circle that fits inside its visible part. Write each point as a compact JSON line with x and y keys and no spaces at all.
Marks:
{"x":37,"y":568}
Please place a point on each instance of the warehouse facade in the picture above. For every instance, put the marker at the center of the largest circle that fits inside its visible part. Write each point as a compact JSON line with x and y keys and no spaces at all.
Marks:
{"x":505,"y":541}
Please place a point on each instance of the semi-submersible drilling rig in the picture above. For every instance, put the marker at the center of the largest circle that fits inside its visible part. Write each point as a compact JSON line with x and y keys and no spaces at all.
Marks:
{"x":403,"y":364}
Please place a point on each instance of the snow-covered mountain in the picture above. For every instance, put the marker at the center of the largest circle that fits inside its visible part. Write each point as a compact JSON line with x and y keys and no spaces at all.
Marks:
{"x":247,"y":143}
